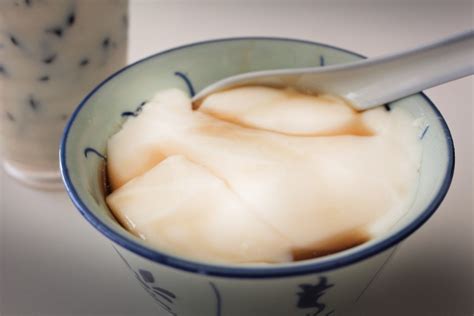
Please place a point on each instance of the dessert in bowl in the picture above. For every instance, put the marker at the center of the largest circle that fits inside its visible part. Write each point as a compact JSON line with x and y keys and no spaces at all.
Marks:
{"x":183,"y":285}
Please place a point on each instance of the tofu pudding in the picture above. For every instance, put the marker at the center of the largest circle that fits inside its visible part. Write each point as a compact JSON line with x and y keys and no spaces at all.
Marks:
{"x":52,"y":52}
{"x":261,"y":175}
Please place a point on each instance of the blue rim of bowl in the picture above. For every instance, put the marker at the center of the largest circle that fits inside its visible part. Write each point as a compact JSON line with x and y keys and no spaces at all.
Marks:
{"x":250,"y":272}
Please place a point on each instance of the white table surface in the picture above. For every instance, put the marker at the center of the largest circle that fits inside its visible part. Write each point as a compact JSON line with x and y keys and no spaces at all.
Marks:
{"x":52,"y":262}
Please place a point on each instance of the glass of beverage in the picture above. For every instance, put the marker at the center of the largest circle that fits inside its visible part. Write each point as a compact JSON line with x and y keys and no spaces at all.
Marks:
{"x":52,"y":52}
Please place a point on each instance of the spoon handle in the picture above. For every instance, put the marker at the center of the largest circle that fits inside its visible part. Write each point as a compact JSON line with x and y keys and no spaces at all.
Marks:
{"x":386,"y":79}
{"x":371,"y":82}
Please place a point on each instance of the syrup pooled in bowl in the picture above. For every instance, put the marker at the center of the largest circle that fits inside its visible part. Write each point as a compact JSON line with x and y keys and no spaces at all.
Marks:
{"x":261,"y":175}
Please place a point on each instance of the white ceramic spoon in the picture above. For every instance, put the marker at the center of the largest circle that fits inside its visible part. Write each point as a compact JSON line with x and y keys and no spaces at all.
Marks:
{"x":371,"y":82}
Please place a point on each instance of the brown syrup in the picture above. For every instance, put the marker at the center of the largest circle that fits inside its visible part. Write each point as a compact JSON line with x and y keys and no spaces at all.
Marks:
{"x":355,"y":127}
{"x":332,"y":245}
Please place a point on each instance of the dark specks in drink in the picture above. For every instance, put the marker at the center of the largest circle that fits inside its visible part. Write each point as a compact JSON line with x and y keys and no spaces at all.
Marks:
{"x":14,"y":40}
{"x":58,"y":31}
{"x":49,"y":59}
{"x":64,"y":117}
{"x":3,"y":71}
{"x":43,"y":78}
{"x":71,"y":19}
{"x":10,"y":117}
{"x":84,"y":62}
{"x":106,"y":43}
{"x":33,"y":103}
{"x":125,"y":20}
{"x":28,"y":3}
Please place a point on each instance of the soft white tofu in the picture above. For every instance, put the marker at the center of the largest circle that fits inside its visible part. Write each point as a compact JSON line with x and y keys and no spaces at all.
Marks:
{"x":309,"y":189}
{"x":181,"y":207}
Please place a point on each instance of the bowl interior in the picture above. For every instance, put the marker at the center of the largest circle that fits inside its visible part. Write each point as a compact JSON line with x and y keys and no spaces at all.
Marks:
{"x":193,"y":67}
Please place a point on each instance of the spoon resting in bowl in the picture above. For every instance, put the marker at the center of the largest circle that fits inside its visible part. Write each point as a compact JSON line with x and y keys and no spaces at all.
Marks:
{"x":370,"y":82}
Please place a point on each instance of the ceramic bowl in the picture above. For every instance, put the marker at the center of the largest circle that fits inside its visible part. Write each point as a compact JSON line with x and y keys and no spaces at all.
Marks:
{"x":322,"y":286}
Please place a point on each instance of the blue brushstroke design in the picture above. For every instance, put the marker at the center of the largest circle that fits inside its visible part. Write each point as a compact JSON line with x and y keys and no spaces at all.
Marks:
{"x":310,"y":294}
{"x":375,"y":275}
{"x":424,"y":131}
{"x":144,"y":277}
{"x":122,"y":257}
{"x":163,"y":296}
{"x":187,"y":81}
{"x":152,"y":293}
{"x":129,"y":114}
{"x":218,"y":299}
{"x":322,"y":62}
{"x":94,"y":151}
{"x":147,"y":276}
{"x":137,"y":111}
{"x":164,"y":291}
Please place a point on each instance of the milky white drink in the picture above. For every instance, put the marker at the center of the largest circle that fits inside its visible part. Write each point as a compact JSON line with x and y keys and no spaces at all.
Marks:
{"x":52,"y":52}
{"x":261,"y":175}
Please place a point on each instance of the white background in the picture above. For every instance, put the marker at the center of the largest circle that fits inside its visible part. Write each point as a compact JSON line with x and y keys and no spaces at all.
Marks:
{"x":52,"y":262}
